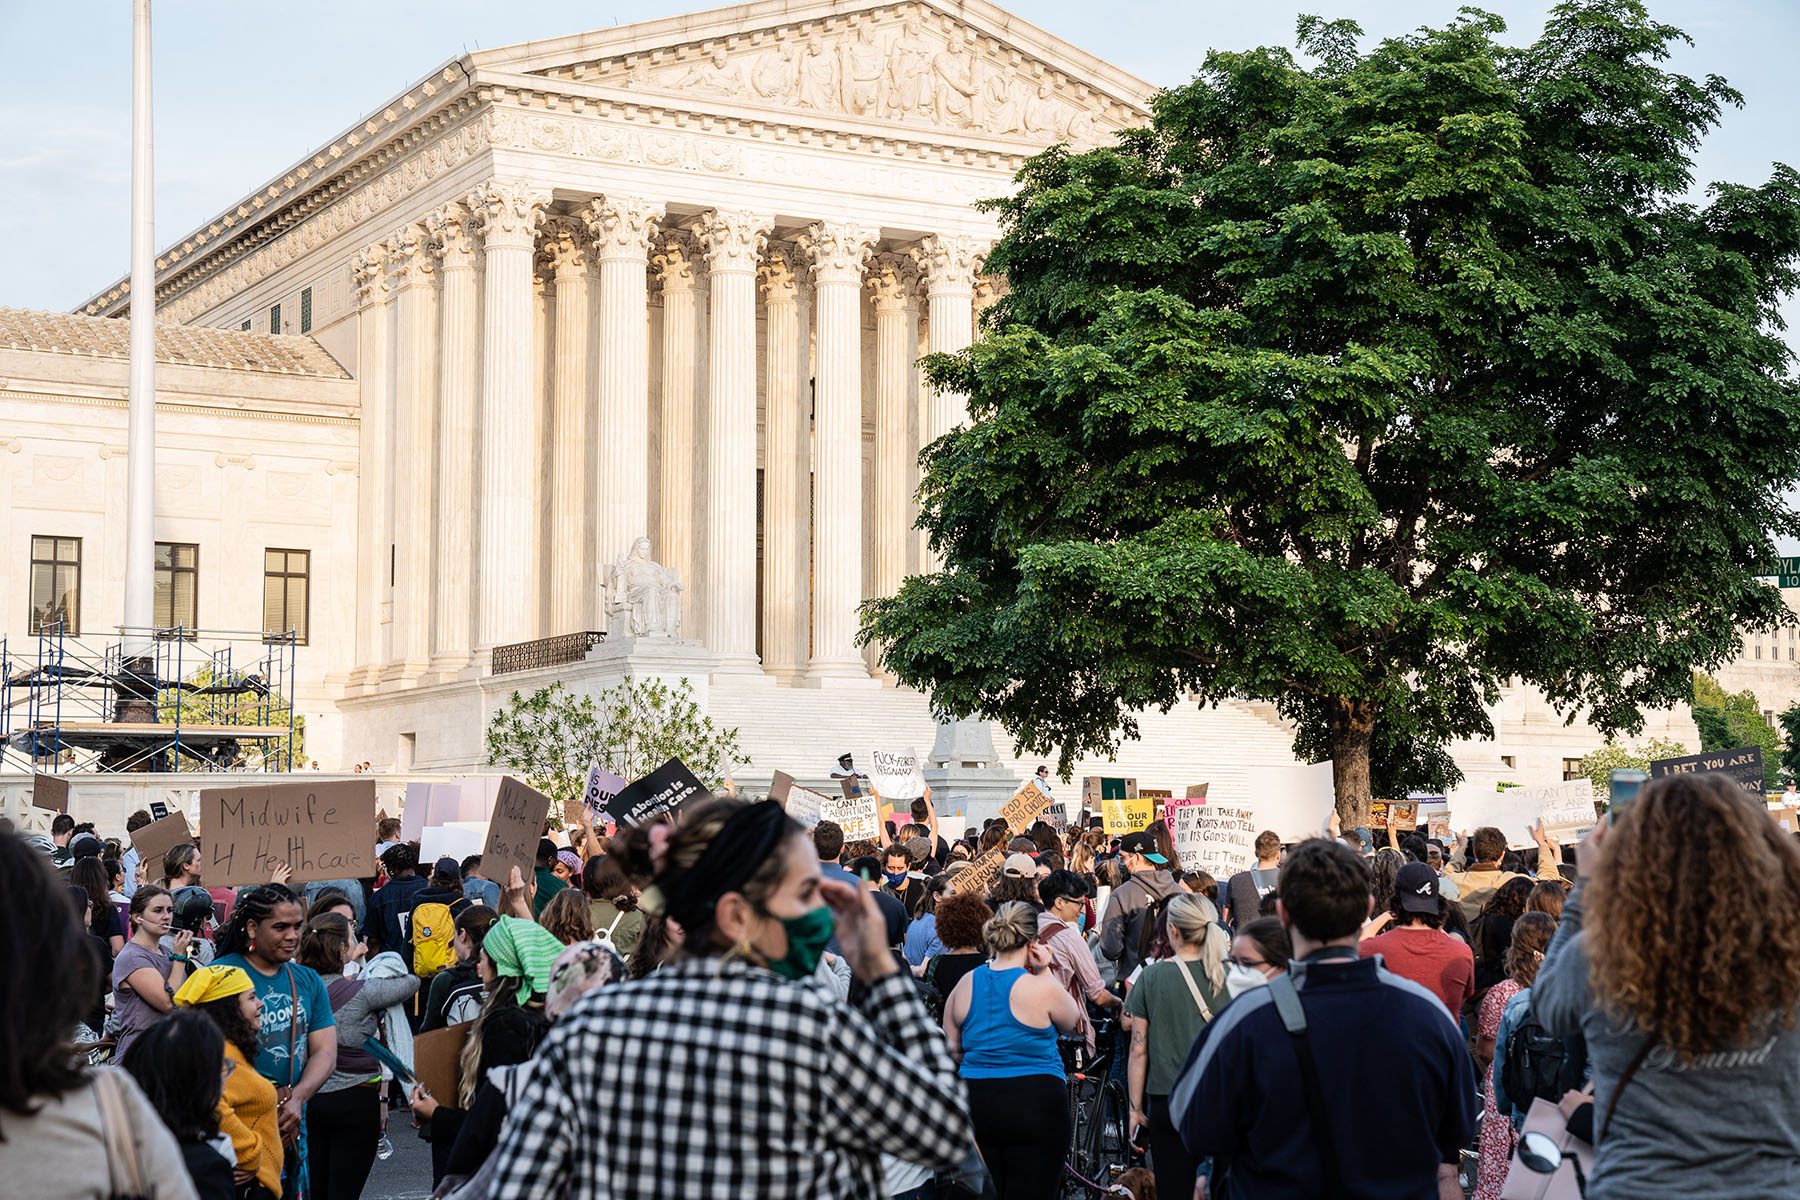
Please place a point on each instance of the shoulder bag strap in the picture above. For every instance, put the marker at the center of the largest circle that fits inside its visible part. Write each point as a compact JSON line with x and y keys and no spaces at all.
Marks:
{"x":1187,"y":977}
{"x":619,"y":915}
{"x":293,"y":1020}
{"x":1612,"y":1101}
{"x":1293,"y":1016}
{"x":123,"y":1167}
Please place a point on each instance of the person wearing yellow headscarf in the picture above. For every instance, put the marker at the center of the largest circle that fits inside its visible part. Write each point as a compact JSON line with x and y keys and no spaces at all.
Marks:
{"x":247,"y":1106}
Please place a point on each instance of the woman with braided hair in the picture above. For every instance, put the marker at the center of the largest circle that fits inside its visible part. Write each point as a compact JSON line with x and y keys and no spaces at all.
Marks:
{"x":729,"y":1072}
{"x":297,"y":1045}
{"x":1678,"y":959}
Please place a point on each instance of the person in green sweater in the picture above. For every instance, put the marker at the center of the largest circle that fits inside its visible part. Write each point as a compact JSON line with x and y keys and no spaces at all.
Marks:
{"x":548,"y":881}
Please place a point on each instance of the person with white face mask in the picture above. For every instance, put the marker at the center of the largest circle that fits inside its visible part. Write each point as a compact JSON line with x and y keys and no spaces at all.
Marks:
{"x":1259,"y":952}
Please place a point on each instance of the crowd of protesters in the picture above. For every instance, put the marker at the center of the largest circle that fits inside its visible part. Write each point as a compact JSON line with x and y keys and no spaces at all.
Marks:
{"x":724,"y":1003}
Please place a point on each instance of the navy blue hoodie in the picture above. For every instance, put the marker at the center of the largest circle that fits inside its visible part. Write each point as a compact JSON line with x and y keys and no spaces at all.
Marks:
{"x":1398,"y":1080}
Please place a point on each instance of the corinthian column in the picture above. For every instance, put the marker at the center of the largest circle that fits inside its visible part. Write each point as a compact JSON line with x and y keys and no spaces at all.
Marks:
{"x":373,"y":537}
{"x":683,"y":386}
{"x":413,"y":268}
{"x":787,"y":464}
{"x":621,"y":227}
{"x":896,"y":346}
{"x":949,"y":263}
{"x":733,"y":241}
{"x":571,"y":544}
{"x":507,"y":213}
{"x":838,"y":253}
{"x":452,"y":623}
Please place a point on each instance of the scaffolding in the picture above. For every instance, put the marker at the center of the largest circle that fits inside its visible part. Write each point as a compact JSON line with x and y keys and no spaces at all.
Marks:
{"x":172,"y":699}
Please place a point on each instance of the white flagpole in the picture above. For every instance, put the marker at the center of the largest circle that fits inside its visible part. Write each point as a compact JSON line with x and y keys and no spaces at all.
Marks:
{"x":140,"y":500}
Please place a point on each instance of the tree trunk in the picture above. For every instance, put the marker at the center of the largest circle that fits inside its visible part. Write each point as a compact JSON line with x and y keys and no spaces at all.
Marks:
{"x":1352,"y":735}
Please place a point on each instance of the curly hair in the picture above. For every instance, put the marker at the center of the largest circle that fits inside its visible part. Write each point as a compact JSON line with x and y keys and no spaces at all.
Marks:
{"x":1531,"y":935}
{"x":567,"y":917}
{"x":1701,"y":846}
{"x":960,"y":917}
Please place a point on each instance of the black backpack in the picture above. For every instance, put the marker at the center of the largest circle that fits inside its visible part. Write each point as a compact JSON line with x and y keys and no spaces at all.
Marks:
{"x":1152,"y":930}
{"x":1538,"y":1064}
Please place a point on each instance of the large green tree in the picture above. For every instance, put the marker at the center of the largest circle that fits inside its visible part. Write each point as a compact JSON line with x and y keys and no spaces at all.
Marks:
{"x":1362,"y":385}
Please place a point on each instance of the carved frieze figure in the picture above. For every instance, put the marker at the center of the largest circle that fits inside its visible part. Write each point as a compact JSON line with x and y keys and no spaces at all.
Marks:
{"x":909,"y":73}
{"x":819,"y":77}
{"x":955,"y":87}
{"x":863,"y":66}
{"x":643,"y":597}
{"x":721,"y":74}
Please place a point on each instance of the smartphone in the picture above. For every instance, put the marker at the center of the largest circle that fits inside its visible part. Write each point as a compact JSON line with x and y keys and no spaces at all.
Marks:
{"x":1625,"y":784}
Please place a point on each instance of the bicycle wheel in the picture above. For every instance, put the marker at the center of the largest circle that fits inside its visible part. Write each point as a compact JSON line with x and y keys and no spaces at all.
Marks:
{"x":1112,"y":1127}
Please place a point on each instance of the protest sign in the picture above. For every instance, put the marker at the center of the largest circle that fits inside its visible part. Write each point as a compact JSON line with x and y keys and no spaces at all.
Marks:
{"x":50,"y":793}
{"x":601,"y":786}
{"x":513,"y":831}
{"x":158,"y":810}
{"x":1563,"y":807}
{"x":437,"y":1060}
{"x":415,"y":812}
{"x":1058,"y":816}
{"x":1743,"y":764}
{"x":1293,"y":800}
{"x":1437,"y":825}
{"x":320,"y":830}
{"x":1026,"y":805}
{"x":895,"y":774}
{"x":1197,"y":791}
{"x":1169,"y":807}
{"x":1217,"y":838}
{"x":1403,"y":813}
{"x":983,"y":869}
{"x":855,"y":814}
{"x":158,"y":838}
{"x":802,"y":804}
{"x":1095,"y":788}
{"x":1513,"y":811}
{"x":663,"y":790}
{"x":1127,"y":815}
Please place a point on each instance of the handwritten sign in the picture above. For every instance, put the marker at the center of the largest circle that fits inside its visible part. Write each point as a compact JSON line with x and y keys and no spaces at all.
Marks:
{"x":1026,"y":805}
{"x":1058,"y":816}
{"x":663,"y":790}
{"x":1197,"y":791}
{"x":1568,"y":805}
{"x":159,"y":837}
{"x":1217,"y":838}
{"x":1743,"y":764}
{"x":50,"y":793}
{"x":895,"y":774}
{"x":513,"y":831}
{"x":1128,"y":815}
{"x":1437,"y":825}
{"x":601,"y":786}
{"x":983,"y":870}
{"x":856,"y":815}
{"x":158,"y":810}
{"x":320,"y":830}
{"x":802,"y":804}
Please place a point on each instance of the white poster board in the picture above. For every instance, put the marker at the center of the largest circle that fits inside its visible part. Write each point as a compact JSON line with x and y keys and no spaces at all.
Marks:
{"x":895,"y":774}
{"x":857,"y":816}
{"x":1512,"y":812}
{"x":1216,"y":838}
{"x":1293,"y":800}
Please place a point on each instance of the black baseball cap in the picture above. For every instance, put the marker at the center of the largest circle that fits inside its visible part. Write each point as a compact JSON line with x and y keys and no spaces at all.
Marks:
{"x":1417,"y":886}
{"x":1141,"y":843}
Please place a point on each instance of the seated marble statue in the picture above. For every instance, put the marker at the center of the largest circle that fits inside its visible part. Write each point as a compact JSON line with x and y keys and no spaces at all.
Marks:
{"x":643,"y":597}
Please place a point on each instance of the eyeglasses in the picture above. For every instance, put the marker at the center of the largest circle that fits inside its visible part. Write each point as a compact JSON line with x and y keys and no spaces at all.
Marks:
{"x":227,"y":1069}
{"x":1255,"y":964}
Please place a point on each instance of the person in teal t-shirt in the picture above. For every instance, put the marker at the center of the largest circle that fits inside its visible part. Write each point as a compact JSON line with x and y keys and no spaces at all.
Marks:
{"x":297,"y":1045}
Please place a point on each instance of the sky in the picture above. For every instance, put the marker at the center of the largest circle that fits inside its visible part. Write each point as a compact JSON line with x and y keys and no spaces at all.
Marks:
{"x":244,"y":91}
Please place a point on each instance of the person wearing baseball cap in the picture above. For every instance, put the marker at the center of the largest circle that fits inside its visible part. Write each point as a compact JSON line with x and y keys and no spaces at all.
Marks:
{"x":1416,"y":947}
{"x":1123,"y":937}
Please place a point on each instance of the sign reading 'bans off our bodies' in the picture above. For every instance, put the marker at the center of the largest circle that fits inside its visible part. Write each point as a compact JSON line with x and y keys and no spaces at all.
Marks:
{"x":320,"y":830}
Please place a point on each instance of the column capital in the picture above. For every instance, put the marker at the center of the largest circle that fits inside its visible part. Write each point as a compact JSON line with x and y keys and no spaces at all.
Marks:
{"x":893,"y":282}
{"x":838,"y":250}
{"x":782,"y":272}
{"x":622,"y":226}
{"x":950,"y":262}
{"x":676,"y":263}
{"x":507,"y":212}
{"x":566,"y":244}
{"x":368,"y":271}
{"x":452,"y":230}
{"x":733,"y":239}
{"x":411,"y":260}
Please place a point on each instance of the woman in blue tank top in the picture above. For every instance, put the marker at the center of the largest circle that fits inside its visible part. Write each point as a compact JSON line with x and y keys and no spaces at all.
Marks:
{"x":1001,"y":1021}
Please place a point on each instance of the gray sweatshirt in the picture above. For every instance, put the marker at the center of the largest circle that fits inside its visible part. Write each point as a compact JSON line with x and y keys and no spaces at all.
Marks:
{"x":358,"y":1018}
{"x":1124,"y":916}
{"x":1726,"y":1127}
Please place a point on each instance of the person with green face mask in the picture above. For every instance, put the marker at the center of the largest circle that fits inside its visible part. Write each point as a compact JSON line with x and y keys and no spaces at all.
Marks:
{"x":730,"y":1071}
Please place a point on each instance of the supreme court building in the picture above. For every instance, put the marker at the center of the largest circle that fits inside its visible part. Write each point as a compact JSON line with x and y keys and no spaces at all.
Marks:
{"x":669,"y":279}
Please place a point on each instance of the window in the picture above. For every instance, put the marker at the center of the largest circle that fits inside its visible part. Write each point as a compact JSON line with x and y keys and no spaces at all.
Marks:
{"x":1572,"y":769}
{"x":305,"y":310}
{"x":246,"y":325}
{"x":177,"y":586}
{"x":1508,"y":761}
{"x":56,"y":583}
{"x":286,"y":592}
{"x":275,"y":318}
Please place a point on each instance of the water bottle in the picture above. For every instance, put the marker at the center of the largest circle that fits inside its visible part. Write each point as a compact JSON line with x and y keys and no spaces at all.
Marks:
{"x":384,"y":1149}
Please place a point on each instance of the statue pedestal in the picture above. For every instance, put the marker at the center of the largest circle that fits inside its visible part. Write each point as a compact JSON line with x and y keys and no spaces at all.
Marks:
{"x":653,"y":658}
{"x":965,"y":773}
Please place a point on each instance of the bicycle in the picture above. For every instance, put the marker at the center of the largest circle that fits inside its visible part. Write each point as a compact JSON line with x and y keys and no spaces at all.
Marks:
{"x":1099,"y":1109}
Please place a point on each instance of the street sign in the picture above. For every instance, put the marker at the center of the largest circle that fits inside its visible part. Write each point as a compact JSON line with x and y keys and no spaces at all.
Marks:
{"x":1788,"y":574}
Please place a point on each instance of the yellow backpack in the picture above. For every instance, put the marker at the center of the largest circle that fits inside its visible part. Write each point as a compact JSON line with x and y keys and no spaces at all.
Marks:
{"x":432,"y":930}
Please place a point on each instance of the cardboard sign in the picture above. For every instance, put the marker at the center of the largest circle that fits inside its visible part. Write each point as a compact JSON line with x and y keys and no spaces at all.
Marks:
{"x":980,"y":876}
{"x":50,"y":793}
{"x":663,"y":790}
{"x":601,"y":786}
{"x":1095,"y":788}
{"x":1744,"y":764}
{"x":1058,"y":816}
{"x":1437,"y":826}
{"x":1404,"y":814}
{"x":856,"y":815}
{"x":1197,"y":791}
{"x":320,"y":830}
{"x":895,"y":774}
{"x":802,"y":804}
{"x":1217,"y":838}
{"x":1127,"y":816}
{"x":1026,"y":805}
{"x":159,"y":837}
{"x":1564,"y":806}
{"x":437,"y":1060}
{"x":513,"y":831}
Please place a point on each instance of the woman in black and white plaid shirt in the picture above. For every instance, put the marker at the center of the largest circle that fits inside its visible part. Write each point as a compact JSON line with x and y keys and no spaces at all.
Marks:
{"x":725,"y":1075}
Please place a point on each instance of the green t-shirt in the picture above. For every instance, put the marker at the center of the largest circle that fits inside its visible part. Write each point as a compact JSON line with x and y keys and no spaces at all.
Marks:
{"x":1164,"y":1000}
{"x":547,"y":886}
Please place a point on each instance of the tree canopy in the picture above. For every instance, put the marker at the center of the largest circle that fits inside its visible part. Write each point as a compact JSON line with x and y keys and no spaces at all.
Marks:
{"x":1365,"y":384}
{"x":1726,"y":722}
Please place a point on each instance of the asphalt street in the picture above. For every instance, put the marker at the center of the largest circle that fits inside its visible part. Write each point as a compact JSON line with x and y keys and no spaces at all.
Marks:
{"x":407,"y":1174}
